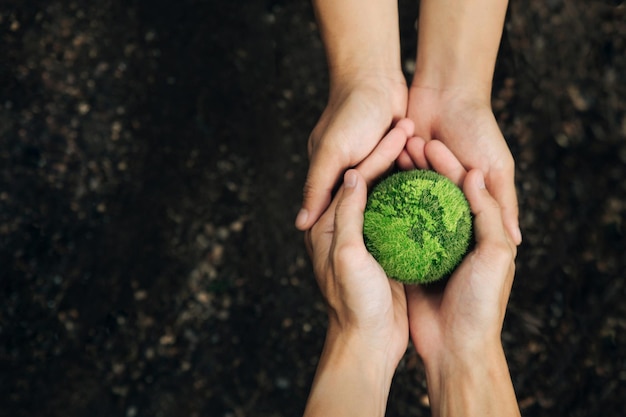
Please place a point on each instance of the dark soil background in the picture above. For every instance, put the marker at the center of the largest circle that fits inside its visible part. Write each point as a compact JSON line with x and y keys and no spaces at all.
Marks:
{"x":152,"y":155}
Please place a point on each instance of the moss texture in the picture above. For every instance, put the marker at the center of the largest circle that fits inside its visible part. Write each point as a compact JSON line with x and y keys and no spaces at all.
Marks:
{"x":417,"y":225}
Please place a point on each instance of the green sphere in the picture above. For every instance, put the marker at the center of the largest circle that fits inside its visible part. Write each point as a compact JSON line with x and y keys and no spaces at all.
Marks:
{"x":417,"y":225}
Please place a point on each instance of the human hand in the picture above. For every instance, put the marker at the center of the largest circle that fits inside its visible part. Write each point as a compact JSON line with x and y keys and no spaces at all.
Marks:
{"x":368,"y":325}
{"x":462,"y":119}
{"x":359,"y":112}
{"x":360,"y":296}
{"x":469,"y":311}
{"x":456,"y":329}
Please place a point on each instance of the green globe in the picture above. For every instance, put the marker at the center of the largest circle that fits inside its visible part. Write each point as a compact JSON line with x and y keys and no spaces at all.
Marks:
{"x":417,"y":225}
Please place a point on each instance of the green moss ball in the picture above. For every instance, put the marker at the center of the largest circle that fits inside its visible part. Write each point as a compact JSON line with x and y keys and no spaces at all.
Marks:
{"x":417,"y":225}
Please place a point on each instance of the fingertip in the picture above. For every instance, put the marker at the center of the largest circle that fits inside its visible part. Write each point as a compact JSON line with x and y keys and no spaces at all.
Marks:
{"x":302,"y":219}
{"x":442,"y":160}
{"x":313,"y":206}
{"x":319,"y":185}
{"x":350,"y":178}
{"x":404,"y":161}
{"x":407,"y":125}
{"x":516,"y":234}
{"x":384,"y":155}
{"x":415,"y":148}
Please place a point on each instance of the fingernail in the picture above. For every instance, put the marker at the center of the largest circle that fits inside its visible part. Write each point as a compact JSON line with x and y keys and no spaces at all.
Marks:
{"x":349,"y":180}
{"x":518,"y":236}
{"x":302,"y":217}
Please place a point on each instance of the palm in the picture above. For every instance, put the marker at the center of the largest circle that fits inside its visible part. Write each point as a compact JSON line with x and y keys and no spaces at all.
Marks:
{"x":468,"y":128}
{"x":367,"y":300}
{"x":449,"y":318}
{"x":453,"y":315}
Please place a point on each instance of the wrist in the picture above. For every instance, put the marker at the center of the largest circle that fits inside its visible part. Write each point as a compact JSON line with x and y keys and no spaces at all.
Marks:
{"x":452,"y":352}
{"x":390,"y":78}
{"x":350,"y":379}
{"x":453,"y":105}
{"x":384,"y":89}
{"x":375,"y":52}
{"x":444,"y":79}
{"x":379,"y":358}
{"x":471,"y":383}
{"x":361,"y":37}
{"x":458,"y":43}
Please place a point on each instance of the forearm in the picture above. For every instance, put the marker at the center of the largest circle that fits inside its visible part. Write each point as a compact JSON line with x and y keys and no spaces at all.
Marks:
{"x":458,"y":43}
{"x":350,"y":381}
{"x":480,"y":386}
{"x":361,"y":37}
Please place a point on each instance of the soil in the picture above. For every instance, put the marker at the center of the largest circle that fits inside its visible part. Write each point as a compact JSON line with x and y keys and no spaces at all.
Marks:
{"x":151,"y":164}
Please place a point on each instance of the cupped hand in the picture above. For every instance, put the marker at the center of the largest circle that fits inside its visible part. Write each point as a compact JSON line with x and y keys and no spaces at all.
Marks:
{"x":363,"y":302}
{"x":464,"y":122}
{"x":359,"y":113}
{"x":466,"y":315}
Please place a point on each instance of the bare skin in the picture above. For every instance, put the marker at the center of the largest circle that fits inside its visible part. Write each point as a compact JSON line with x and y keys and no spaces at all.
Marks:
{"x":449,"y":98}
{"x":456,"y":329}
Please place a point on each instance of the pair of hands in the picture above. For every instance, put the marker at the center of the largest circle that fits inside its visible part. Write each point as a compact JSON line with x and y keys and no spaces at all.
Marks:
{"x":372,"y":316}
{"x":455,"y":329}
{"x":363,"y":301}
{"x":361,"y":111}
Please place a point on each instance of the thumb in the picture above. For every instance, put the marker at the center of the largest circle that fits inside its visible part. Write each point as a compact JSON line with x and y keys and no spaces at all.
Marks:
{"x":322,"y":178}
{"x":488,"y":225}
{"x":503,"y":188}
{"x":349,"y":212}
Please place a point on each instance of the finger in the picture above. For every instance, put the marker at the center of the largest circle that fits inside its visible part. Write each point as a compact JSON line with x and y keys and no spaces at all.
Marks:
{"x":488,"y":226}
{"x":349,"y":211}
{"x":425,"y":296}
{"x":323,"y":175}
{"x":407,"y":125}
{"x":503,"y":190}
{"x":495,"y":252}
{"x":415,"y":149}
{"x":424,"y":306}
{"x":443,"y":161}
{"x":383,"y":156}
{"x":327,"y":166}
{"x":318,"y":238}
{"x":404,"y":161}
{"x":322,"y":230}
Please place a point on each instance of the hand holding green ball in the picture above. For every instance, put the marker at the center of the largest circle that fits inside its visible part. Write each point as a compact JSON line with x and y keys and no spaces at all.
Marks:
{"x":417,"y":225}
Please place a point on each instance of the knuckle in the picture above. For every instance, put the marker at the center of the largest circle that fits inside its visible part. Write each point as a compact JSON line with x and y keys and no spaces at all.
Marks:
{"x":503,"y":164}
{"x":308,"y":189}
{"x":346,"y":251}
{"x":499,"y":253}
